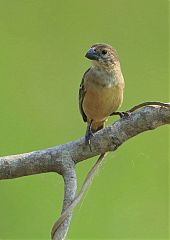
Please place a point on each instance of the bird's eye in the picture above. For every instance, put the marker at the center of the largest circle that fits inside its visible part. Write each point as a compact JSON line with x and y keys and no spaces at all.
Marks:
{"x":104,"y":52}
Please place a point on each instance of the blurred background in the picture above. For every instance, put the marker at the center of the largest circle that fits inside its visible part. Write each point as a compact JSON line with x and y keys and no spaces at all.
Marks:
{"x":43,"y":44}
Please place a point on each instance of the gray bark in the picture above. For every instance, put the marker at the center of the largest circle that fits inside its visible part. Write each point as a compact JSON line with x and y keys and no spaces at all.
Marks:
{"x":63,"y":158}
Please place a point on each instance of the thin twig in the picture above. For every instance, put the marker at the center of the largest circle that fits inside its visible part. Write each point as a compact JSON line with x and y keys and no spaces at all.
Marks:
{"x":77,"y":199}
{"x":144,"y":104}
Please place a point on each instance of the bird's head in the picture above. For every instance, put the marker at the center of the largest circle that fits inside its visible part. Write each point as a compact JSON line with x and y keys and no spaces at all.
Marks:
{"x":103,"y":55}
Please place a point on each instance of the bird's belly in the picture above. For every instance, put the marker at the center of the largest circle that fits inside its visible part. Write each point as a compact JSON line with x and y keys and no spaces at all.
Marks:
{"x":99,"y":103}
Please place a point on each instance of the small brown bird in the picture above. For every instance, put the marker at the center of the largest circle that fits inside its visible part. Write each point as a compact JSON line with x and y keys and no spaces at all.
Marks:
{"x":101,"y":89}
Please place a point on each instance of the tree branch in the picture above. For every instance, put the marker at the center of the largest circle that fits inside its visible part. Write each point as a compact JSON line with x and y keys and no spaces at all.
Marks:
{"x":70,"y":186}
{"x":77,"y":199}
{"x":62,"y":158}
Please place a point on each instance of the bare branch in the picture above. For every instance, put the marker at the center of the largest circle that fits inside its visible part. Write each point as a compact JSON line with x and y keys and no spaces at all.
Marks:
{"x":70,"y":186}
{"x":62,"y":159}
{"x":77,"y":199}
{"x":93,"y":170}
{"x":56,"y":158}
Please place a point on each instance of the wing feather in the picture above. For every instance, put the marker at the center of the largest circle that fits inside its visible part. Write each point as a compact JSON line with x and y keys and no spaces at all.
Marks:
{"x":82,"y":92}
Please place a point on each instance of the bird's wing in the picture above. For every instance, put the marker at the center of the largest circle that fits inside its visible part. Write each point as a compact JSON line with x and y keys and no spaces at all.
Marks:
{"x":82,"y":92}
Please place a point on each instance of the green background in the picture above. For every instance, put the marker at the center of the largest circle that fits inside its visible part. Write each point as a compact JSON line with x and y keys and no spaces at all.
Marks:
{"x":42,"y":48}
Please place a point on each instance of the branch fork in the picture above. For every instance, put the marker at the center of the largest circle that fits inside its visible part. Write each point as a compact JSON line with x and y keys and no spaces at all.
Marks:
{"x":62,"y":159}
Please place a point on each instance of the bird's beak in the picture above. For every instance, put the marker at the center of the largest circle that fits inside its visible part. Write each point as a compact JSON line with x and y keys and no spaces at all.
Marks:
{"x":91,"y":54}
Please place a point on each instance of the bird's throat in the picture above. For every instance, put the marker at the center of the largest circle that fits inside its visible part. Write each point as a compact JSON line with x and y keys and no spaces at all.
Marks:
{"x":103,"y":78}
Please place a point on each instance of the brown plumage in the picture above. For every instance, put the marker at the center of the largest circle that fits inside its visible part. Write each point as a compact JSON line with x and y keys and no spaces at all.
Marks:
{"x":101,"y":89}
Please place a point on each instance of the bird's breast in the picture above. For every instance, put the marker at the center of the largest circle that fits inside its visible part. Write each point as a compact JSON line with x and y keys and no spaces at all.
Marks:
{"x":100,"y":101}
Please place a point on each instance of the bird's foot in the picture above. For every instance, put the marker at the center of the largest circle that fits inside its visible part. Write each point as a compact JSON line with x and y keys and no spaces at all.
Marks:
{"x":124,"y":114}
{"x":121,"y":114}
{"x":89,"y":135}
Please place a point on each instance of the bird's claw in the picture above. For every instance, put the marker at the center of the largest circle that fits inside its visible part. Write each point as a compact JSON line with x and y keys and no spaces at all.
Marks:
{"x":124,"y":114}
{"x":121,"y":114}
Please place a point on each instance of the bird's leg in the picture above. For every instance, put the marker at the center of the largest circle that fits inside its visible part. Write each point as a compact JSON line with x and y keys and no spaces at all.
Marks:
{"x":121,"y":114}
{"x":89,"y":134}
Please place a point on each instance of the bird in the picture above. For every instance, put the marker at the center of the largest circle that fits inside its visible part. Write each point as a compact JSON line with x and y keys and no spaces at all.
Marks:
{"x":101,"y":89}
